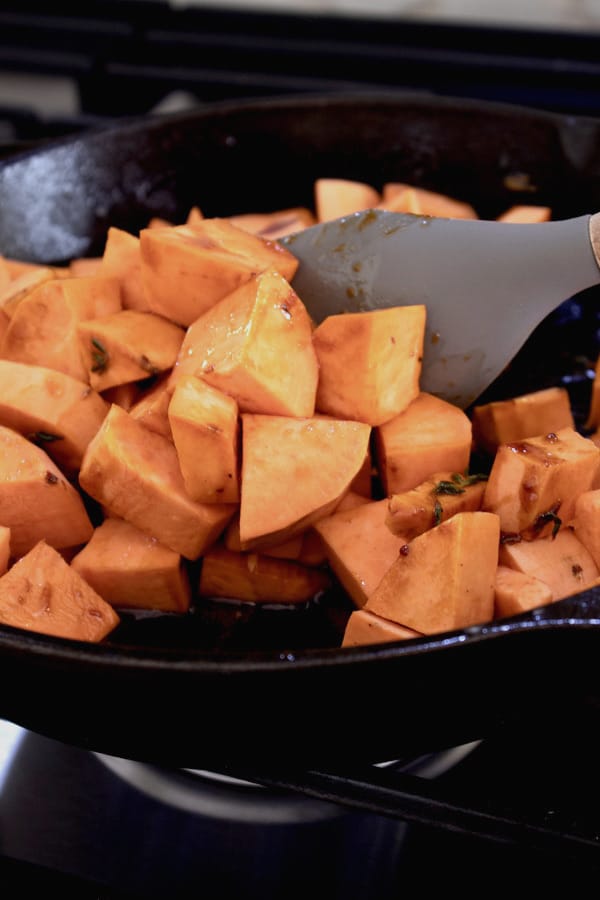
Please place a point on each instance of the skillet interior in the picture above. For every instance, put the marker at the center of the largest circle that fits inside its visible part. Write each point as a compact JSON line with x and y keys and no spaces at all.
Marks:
{"x":162,"y":698}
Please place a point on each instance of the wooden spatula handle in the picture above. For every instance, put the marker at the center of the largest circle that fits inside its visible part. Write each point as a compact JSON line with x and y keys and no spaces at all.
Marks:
{"x":595,"y":235}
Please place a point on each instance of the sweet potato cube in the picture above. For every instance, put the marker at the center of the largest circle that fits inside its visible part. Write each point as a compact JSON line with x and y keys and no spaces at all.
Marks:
{"x":364,"y":627}
{"x":526,"y":212}
{"x":517,"y":418}
{"x":5,"y":551}
{"x":258,"y":578}
{"x":517,"y":592}
{"x":130,"y":569}
{"x":444,"y":580}
{"x":562,"y":562}
{"x":124,"y":395}
{"x":85,"y":265}
{"x":534,"y":483}
{"x":336,"y":197}
{"x":18,"y":288}
{"x":42,"y":593}
{"x":359,"y":547}
{"x":436,"y":499}
{"x":274,"y":225}
{"x":290,"y":549}
{"x":204,"y":424}
{"x":151,"y":409}
{"x":134,"y":473}
{"x":256,"y":345}
{"x":586,"y":522}
{"x":369,"y":363}
{"x":54,"y":410}
{"x":128,"y":345}
{"x":43,"y":329}
{"x":429,"y":436}
{"x":399,"y":197}
{"x":122,"y":260}
{"x":186,"y":270}
{"x":294,"y":472}
{"x":36,"y":500}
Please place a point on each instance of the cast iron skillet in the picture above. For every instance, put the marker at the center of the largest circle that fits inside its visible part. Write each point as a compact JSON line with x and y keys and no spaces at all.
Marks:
{"x":209,"y":691}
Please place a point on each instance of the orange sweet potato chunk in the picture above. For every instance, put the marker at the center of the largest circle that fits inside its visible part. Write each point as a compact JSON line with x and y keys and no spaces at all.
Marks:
{"x":128,"y":345}
{"x":5,"y":551}
{"x":151,"y":408}
{"x":370,"y":363}
{"x":258,"y":578}
{"x":399,"y":197}
{"x":50,"y":408}
{"x":36,"y":500}
{"x":444,"y":580}
{"x":134,"y":473}
{"x":256,"y":345}
{"x":535,"y":482}
{"x":274,"y":225}
{"x":517,"y":592}
{"x":186,"y":270}
{"x":517,"y":418}
{"x":429,"y":436}
{"x":586,"y":522}
{"x":122,"y":260}
{"x":294,"y":472}
{"x":436,"y":499}
{"x":130,"y":569}
{"x":204,"y":424}
{"x":359,"y":547}
{"x":562,"y":562}
{"x":43,"y":329}
{"x":42,"y":593}
{"x":18,"y":288}
{"x":336,"y":197}
{"x":364,"y":627}
{"x":526,"y":212}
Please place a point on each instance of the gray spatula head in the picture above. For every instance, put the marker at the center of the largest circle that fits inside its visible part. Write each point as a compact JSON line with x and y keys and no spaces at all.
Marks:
{"x":486,"y":284}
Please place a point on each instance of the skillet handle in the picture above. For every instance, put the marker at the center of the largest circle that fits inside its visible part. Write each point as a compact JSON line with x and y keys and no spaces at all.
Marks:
{"x":595,"y":235}
{"x":413,"y":799}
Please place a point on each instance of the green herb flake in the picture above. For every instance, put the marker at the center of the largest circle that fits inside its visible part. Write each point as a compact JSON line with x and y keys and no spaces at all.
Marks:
{"x":437,"y":513}
{"x":99,"y":356}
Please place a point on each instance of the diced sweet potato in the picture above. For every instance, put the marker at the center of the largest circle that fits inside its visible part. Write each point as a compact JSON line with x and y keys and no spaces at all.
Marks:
{"x":517,"y":592}
{"x":253,"y":345}
{"x":130,"y":569}
{"x":151,"y":409}
{"x":124,"y":395}
{"x":517,"y":418}
{"x":363,"y":482}
{"x":294,"y":472}
{"x":562,"y":562}
{"x":204,"y":424}
{"x":134,"y":473}
{"x":336,"y":197}
{"x":444,"y":580}
{"x":258,"y":578}
{"x":128,"y":345}
{"x":586,"y":522}
{"x":275,"y":225}
{"x":60,"y":413}
{"x":36,"y":500}
{"x":359,"y":547}
{"x":43,"y":328}
{"x":436,"y":499}
{"x":429,"y":436}
{"x":370,"y":362}
{"x":526,"y":212}
{"x":290,"y":549}
{"x":533,"y":484}
{"x":399,"y":197}
{"x":5,"y":551}
{"x":22,"y":285}
{"x":85,"y":265}
{"x":364,"y":627}
{"x":42,"y":593}
{"x":122,"y":260}
{"x":186,"y":270}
